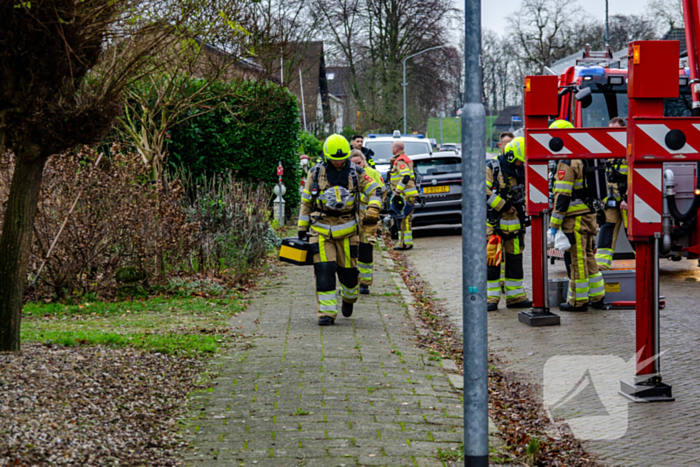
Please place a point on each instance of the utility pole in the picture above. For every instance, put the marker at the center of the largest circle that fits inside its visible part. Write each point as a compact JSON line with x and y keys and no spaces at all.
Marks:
{"x":607,"y":29}
{"x":404,"y":84}
{"x":441,"y":116}
{"x":474,"y":328}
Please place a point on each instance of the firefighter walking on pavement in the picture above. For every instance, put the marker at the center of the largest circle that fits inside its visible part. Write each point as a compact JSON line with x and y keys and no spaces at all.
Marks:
{"x":403,"y":183}
{"x":573,"y":214}
{"x":615,"y":207}
{"x":329,"y":216}
{"x":505,"y":225}
{"x":368,"y":234}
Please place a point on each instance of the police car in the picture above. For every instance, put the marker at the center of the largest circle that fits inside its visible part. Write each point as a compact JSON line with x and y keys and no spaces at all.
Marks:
{"x":381,"y":145}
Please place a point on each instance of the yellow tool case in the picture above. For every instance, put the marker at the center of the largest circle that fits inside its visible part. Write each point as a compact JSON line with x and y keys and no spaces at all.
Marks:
{"x":297,"y":252}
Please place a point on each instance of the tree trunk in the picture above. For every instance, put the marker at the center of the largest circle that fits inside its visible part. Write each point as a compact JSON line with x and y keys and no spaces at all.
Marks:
{"x":15,"y":244}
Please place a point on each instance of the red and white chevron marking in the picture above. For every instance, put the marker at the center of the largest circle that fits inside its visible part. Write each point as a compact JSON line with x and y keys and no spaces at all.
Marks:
{"x":650,"y":138}
{"x":648,"y":198}
{"x":579,"y":143}
{"x":537,"y":188}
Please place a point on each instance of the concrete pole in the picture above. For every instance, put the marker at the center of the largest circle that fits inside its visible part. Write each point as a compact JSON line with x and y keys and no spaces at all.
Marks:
{"x":303,"y":106}
{"x":475,"y":334}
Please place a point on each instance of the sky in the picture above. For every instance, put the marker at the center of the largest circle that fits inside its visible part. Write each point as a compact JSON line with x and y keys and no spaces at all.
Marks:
{"x":494,"y":12}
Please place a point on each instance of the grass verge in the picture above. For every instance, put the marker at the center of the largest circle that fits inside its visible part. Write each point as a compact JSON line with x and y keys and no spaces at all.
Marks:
{"x":165,"y":325}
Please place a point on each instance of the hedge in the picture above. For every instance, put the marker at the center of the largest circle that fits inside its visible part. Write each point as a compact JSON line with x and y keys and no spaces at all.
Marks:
{"x":255,"y":126}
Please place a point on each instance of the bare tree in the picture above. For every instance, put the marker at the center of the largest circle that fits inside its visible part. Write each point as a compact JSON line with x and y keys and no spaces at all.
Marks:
{"x":279,"y":34}
{"x":542,"y":29}
{"x":63,"y":67}
{"x":372,"y":37}
{"x":667,"y":14}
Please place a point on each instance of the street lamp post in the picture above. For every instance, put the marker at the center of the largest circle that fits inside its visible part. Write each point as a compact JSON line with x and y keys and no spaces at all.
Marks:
{"x":404,"y":84}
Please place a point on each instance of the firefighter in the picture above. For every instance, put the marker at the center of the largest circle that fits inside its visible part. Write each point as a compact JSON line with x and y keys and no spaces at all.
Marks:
{"x":329,"y":209}
{"x":403,"y":183}
{"x":505,"y":225}
{"x":503,"y":140}
{"x":357,"y":141}
{"x":368,"y":234}
{"x":573,"y":215}
{"x":615,"y":207}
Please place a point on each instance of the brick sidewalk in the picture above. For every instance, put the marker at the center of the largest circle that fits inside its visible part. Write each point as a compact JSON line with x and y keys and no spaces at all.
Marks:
{"x":357,"y":393}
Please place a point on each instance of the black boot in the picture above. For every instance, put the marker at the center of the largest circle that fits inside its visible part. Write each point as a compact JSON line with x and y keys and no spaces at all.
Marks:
{"x":400,"y":248}
{"x":364,"y":289}
{"x":491,"y":306}
{"x":346,"y":309}
{"x":326,"y":321}
{"x":599,"y":305}
{"x":523,"y":304}
{"x":567,"y":307}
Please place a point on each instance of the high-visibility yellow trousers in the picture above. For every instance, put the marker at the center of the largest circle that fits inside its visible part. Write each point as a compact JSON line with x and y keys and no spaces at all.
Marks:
{"x":614,"y":219}
{"x":512,"y":267}
{"x":335,"y":256}
{"x":585,"y":280}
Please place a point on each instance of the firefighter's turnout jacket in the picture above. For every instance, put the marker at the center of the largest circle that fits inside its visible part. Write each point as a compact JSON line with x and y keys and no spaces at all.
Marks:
{"x":336,"y":224}
{"x":496,"y":193}
{"x":402,"y":177}
{"x":509,"y":227}
{"x":403,"y":181}
{"x":334,"y":234}
{"x":574,"y":216}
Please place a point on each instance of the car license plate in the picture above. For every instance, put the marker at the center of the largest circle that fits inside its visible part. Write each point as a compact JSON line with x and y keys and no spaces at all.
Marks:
{"x":429,"y":190}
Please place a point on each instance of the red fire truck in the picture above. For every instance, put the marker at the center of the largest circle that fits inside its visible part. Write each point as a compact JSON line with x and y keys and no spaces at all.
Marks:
{"x":661,"y":144}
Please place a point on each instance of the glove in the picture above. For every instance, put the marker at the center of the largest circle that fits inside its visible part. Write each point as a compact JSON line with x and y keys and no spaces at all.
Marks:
{"x":372,"y":215}
{"x":561,"y":241}
{"x":303,"y":234}
{"x":494,"y":251}
{"x":551,"y":235}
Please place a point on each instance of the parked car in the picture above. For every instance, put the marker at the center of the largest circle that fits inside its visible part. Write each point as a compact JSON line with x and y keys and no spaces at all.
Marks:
{"x":450,"y":147}
{"x":440,"y":188}
{"x":381,"y":145}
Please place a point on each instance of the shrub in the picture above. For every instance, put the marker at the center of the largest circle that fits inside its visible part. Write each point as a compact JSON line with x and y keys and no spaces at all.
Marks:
{"x":127,"y":232}
{"x":310,"y":145}
{"x":233,"y":222}
{"x":121,"y":219}
{"x":255,"y":126}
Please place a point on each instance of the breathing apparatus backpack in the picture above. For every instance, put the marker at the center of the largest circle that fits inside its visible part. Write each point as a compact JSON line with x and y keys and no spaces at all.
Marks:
{"x":595,"y":187}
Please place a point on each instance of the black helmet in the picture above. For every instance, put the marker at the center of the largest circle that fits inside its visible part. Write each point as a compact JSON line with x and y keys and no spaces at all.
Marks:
{"x":399,"y":208}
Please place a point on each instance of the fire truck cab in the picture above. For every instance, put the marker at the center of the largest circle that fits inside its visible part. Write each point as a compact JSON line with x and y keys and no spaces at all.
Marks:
{"x":592,"y":92}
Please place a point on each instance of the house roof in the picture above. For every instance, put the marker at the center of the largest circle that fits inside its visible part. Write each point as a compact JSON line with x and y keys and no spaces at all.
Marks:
{"x":504,"y":117}
{"x":677,"y":34}
{"x":338,"y":78}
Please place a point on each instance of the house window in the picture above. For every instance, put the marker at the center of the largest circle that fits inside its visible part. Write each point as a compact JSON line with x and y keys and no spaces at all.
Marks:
{"x":330,"y":76}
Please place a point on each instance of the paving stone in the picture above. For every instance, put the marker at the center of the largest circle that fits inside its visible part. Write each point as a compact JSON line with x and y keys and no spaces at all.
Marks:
{"x":305,"y":395}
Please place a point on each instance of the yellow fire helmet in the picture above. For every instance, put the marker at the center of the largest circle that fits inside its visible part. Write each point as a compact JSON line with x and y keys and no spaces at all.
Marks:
{"x":560,"y":124}
{"x":515,"y":150}
{"x":336,"y":148}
